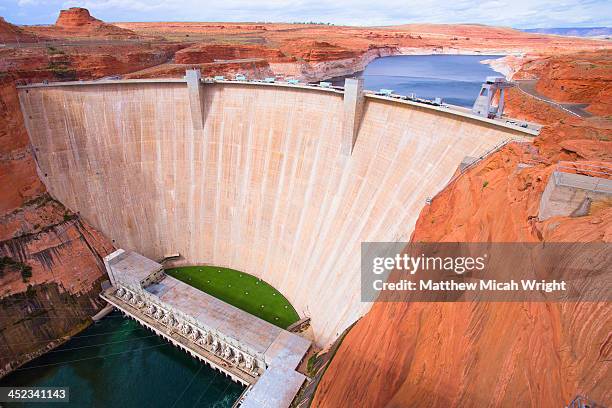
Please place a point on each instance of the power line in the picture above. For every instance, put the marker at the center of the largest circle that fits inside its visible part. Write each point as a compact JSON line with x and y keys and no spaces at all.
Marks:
{"x":208,"y":386}
{"x":188,"y":385}
{"x":71,"y":338}
{"x":52,"y":309}
{"x":127,"y":352}
{"x":39,"y":309}
{"x":205,"y":389}
{"x":102,"y":344}
{"x":90,"y":345}
{"x":60,"y":316}
{"x":90,"y":358}
{"x":225,"y":390}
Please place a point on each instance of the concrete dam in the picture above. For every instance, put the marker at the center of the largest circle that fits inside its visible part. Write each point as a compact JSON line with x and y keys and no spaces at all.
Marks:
{"x":281,"y":181}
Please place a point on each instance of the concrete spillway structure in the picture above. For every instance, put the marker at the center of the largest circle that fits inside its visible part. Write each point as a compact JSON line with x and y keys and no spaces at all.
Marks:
{"x":264,"y":181}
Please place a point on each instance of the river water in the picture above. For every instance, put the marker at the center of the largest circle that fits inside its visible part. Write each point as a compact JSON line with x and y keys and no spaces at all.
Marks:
{"x":454,"y":78}
{"x":117,"y":363}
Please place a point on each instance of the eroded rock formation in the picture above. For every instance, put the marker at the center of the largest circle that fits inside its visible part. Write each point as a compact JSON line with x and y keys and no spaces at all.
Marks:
{"x":579,"y":78}
{"x":488,"y":354}
{"x":59,"y":293}
{"x":204,"y":53}
{"x":77,"y":21}
{"x":40,"y":319}
{"x":17,"y":167}
{"x":51,"y":269}
{"x":436,"y":355}
{"x":76,"y":17}
{"x":10,"y":33}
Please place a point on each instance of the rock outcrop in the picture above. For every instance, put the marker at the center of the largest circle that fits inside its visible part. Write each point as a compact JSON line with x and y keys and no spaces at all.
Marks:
{"x":50,"y":275}
{"x":398,"y":354}
{"x":76,"y":17}
{"x":583,"y":77}
{"x":489,"y":354}
{"x":253,"y":69}
{"x":76,"y":22}
{"x":40,"y":319}
{"x":480,"y":354}
{"x":50,"y":261}
{"x":17,"y":167}
{"x":579,"y":78}
{"x":317,"y":51}
{"x":70,"y":62}
{"x":205,"y":53}
{"x":10,"y":33}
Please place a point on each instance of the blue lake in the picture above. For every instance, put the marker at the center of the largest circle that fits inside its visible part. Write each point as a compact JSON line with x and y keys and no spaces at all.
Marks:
{"x":454,"y":78}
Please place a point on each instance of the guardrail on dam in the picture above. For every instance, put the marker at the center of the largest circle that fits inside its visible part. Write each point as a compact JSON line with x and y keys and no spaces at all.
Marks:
{"x":260,"y":181}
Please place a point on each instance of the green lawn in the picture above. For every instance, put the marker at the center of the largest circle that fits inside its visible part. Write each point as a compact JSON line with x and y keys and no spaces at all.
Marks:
{"x":241,"y":290}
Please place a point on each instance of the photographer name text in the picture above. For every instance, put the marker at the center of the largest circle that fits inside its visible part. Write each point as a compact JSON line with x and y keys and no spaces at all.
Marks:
{"x":482,"y":285}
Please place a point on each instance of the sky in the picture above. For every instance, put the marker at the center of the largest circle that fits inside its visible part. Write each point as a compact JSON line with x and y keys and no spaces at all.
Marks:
{"x":513,"y":13}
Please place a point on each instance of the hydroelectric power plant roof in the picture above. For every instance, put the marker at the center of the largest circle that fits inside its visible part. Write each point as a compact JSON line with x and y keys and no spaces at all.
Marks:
{"x":280,"y":181}
{"x":252,"y":331}
{"x":273,"y":384}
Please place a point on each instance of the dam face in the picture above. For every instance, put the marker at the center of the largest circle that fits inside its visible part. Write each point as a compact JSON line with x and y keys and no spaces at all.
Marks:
{"x":262,"y":185}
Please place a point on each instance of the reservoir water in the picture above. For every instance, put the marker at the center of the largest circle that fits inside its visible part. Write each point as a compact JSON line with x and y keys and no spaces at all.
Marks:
{"x":117,"y":363}
{"x":454,"y":78}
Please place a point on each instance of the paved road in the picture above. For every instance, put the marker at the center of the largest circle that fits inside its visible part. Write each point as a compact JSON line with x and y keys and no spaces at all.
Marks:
{"x":576,"y":109}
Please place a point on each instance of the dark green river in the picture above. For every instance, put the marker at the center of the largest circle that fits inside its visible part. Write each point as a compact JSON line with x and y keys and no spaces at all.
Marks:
{"x":117,"y":363}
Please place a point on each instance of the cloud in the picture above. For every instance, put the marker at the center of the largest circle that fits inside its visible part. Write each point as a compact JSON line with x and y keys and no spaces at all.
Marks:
{"x":25,"y":3}
{"x":516,"y":13}
{"x":118,"y":5}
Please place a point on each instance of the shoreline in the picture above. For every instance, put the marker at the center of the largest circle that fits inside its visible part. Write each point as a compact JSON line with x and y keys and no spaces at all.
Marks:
{"x":346,"y":68}
{"x":50,"y":346}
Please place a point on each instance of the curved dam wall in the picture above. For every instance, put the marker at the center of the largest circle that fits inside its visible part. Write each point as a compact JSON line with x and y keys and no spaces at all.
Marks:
{"x":262,"y":186}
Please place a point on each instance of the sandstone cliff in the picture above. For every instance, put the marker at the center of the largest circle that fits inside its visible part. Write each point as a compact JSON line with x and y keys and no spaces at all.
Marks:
{"x":436,"y":355}
{"x":203,"y":53}
{"x":70,"y":62}
{"x":579,"y":78}
{"x":10,"y":33}
{"x":489,"y":354}
{"x":49,"y":278}
{"x":17,"y":168}
{"x":481,"y":354}
{"x":77,"y":21}
{"x":51,"y":267}
{"x":50,"y":261}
